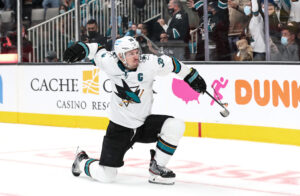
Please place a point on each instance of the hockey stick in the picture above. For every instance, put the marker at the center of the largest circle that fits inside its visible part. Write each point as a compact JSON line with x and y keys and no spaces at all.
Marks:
{"x":224,"y":112}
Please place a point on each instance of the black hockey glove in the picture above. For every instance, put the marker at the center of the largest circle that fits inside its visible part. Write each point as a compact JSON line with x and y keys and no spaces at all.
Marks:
{"x":76,"y":52}
{"x":195,"y":81}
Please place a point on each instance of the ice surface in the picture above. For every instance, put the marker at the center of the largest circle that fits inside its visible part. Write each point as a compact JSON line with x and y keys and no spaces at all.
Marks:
{"x":36,"y":161}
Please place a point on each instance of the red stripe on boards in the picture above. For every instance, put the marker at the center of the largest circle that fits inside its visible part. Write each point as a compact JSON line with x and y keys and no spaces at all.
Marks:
{"x":199,"y":130}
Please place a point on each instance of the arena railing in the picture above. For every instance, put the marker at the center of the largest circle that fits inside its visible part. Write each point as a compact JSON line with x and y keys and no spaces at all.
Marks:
{"x":57,"y":33}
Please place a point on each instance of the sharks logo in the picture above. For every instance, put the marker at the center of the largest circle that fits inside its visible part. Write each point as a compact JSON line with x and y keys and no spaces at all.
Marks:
{"x":127,"y":95}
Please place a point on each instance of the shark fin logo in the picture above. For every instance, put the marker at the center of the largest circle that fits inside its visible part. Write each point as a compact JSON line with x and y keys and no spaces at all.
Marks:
{"x":127,"y":95}
{"x":91,"y":82}
{"x":1,"y":90}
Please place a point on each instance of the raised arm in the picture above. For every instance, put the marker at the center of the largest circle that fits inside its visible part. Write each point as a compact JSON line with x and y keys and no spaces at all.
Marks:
{"x":80,"y":50}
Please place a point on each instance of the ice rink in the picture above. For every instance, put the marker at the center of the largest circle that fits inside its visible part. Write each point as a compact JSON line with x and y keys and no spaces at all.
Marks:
{"x":36,"y":161}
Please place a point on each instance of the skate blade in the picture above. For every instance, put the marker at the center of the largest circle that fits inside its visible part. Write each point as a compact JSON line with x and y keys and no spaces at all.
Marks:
{"x":160,"y":180}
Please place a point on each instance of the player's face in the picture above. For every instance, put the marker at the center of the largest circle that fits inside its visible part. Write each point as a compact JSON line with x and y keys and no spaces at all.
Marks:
{"x":132,"y":58}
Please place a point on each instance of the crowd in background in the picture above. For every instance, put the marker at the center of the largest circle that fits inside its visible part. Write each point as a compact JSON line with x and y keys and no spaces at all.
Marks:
{"x":236,"y":30}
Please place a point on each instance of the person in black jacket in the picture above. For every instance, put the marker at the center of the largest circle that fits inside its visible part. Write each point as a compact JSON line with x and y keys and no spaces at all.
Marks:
{"x":178,"y":25}
{"x":219,"y":28}
{"x":93,"y":35}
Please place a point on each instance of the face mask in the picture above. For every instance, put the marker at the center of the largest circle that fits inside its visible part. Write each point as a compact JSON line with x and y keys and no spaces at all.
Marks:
{"x":62,"y":11}
{"x":171,"y":11}
{"x":92,"y":33}
{"x":138,"y":31}
{"x":284,"y":41}
{"x":247,"y":10}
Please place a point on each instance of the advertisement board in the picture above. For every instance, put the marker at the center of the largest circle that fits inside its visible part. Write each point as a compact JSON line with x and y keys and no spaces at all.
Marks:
{"x":8,"y":89}
{"x":64,"y":90}
{"x":261,"y":95}
{"x":8,"y":94}
{"x":263,"y":100}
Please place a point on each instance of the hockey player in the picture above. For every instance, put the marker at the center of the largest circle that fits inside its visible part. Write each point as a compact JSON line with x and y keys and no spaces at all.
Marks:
{"x":132,"y":75}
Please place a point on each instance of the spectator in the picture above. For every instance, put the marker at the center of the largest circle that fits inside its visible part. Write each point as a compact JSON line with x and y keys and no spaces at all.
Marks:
{"x":62,"y":9}
{"x":168,"y":47}
{"x":295,"y":11}
{"x":274,"y":22}
{"x":256,"y":31}
{"x":197,"y":6}
{"x":159,"y":51}
{"x":51,"y":3}
{"x":238,"y":21}
{"x":141,"y":33}
{"x":7,"y":5}
{"x":288,"y":50}
{"x":51,"y":56}
{"x":131,"y":32}
{"x":219,"y":28}
{"x":178,"y":25}
{"x":163,"y":38}
{"x":93,"y":35}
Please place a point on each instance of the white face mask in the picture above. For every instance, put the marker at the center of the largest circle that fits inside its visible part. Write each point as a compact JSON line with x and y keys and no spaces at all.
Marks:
{"x":247,"y":10}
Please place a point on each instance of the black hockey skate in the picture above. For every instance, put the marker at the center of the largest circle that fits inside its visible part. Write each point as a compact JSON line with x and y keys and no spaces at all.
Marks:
{"x":75,"y":167}
{"x":159,"y":174}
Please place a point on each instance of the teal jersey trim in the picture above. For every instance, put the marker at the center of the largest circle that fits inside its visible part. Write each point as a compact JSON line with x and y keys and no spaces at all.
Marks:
{"x":176,"y":64}
{"x":198,"y":5}
{"x":222,"y":5}
{"x":191,"y":79}
{"x":86,"y":49}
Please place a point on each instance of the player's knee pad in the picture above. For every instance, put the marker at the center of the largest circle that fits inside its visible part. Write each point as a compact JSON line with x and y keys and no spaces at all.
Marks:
{"x":104,"y":173}
{"x":172,"y":130}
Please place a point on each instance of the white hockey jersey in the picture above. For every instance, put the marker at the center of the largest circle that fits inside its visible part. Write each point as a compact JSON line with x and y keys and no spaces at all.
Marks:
{"x":132,"y":96}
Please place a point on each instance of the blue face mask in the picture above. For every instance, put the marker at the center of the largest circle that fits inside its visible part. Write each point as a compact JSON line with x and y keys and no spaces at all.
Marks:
{"x":247,"y":10}
{"x":284,"y":41}
{"x":138,"y":31}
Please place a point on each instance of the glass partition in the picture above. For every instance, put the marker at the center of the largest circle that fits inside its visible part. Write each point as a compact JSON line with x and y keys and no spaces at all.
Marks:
{"x":190,"y":30}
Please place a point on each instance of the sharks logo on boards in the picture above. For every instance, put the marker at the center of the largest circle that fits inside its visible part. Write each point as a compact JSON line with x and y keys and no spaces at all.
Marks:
{"x":127,"y":95}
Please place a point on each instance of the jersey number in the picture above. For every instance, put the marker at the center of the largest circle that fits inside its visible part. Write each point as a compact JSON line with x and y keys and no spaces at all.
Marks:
{"x":161,"y":62}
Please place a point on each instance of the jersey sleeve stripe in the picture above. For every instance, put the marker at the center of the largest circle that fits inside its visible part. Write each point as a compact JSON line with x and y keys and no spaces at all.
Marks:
{"x":198,"y":5}
{"x":176,"y":34}
{"x":85,"y":47}
{"x":222,"y":5}
{"x":176,"y":65}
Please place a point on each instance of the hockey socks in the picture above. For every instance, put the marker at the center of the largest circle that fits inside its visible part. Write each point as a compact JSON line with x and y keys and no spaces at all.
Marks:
{"x":85,"y":166}
{"x":93,"y":169}
{"x":164,"y":152}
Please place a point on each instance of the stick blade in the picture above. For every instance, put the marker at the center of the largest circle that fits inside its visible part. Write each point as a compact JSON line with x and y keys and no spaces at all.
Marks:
{"x":224,"y":113}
